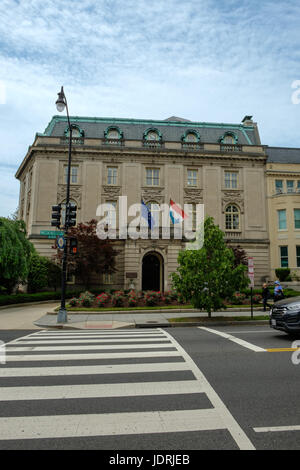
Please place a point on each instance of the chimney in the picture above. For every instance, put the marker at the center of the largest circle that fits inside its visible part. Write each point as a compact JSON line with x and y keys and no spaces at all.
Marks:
{"x":247,"y":121}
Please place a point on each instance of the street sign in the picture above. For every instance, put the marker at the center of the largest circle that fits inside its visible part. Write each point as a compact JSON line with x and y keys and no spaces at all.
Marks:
{"x":51,"y":233}
{"x":60,"y":242}
{"x":251,"y":271}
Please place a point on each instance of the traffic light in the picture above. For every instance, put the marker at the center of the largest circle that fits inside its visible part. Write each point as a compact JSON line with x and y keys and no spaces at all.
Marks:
{"x":71,"y":210}
{"x":73,"y":246}
{"x":56,"y":213}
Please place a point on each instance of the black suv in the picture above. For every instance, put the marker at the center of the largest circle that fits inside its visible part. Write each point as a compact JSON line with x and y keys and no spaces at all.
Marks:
{"x":285,"y":315}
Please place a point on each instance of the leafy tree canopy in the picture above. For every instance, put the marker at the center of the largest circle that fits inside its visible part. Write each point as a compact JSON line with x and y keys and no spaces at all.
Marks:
{"x":15,"y":252}
{"x":209,"y":275}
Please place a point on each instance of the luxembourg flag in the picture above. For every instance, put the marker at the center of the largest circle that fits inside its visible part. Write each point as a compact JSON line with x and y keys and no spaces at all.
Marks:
{"x":177,"y":215}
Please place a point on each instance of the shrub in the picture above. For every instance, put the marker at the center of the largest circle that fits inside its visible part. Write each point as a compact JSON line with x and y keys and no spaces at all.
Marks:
{"x":73,"y":302}
{"x":86,"y":299}
{"x":238,"y":298}
{"x":257,"y":298}
{"x":118,"y":298}
{"x":102,"y":299}
{"x":167,"y":297}
{"x":283,"y":274}
{"x":152,"y":298}
{"x":133,"y":299}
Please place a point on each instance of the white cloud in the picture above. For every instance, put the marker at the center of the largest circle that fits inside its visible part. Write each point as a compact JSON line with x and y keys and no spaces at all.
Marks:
{"x":205,"y":60}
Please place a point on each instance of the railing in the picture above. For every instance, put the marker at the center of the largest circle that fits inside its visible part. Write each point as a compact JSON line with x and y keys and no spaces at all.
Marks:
{"x":231,"y":148}
{"x":289,"y":191}
{"x":233,"y":234}
{"x":119,"y":142}
{"x":192,"y":146}
{"x":152,"y":143}
{"x":75,"y":140}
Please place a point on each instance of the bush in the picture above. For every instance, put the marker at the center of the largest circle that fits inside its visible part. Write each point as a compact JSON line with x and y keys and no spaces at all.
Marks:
{"x":152,"y":298}
{"x":132,"y":299}
{"x":238,"y":298}
{"x":283,"y":274}
{"x":86,"y":299}
{"x":102,"y":299}
{"x":73,"y":302}
{"x":257,"y":298}
{"x":118,"y":298}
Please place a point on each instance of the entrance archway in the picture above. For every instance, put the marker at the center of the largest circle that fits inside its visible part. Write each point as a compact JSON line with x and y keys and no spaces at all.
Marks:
{"x":152,"y":272}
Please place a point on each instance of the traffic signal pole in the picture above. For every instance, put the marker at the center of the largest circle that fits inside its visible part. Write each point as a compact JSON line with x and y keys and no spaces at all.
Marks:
{"x":62,"y":316}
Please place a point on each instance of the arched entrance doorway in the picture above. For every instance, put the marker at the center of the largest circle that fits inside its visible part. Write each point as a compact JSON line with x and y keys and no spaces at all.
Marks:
{"x":152,"y":272}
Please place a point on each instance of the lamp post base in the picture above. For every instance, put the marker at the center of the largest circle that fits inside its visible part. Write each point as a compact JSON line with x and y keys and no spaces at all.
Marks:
{"x":62,"y":316}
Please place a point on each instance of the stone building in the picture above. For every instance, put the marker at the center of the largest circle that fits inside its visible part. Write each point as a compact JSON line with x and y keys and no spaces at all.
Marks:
{"x":222,"y":166}
{"x":283,"y":196}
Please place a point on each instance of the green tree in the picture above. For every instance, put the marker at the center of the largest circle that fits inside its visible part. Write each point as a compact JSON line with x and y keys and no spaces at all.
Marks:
{"x":207,"y":276}
{"x":15,"y":253}
{"x":38,"y":273}
{"x":94,"y":256}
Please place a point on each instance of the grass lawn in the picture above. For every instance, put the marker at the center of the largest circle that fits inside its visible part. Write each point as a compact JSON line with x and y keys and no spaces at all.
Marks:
{"x":212,"y":319}
{"x":143,"y":309}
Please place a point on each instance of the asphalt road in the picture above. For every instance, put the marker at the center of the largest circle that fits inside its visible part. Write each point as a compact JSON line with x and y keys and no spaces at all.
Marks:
{"x":175,"y":389}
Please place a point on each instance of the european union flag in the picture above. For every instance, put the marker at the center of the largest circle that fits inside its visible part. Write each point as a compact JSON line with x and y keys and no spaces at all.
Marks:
{"x":146,"y":214}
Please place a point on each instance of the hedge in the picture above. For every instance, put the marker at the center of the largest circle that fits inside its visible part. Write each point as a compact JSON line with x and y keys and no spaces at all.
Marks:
{"x":37,"y":297}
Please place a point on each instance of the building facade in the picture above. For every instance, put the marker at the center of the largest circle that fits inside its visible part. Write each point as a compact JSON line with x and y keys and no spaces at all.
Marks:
{"x":222,"y":166}
{"x":283,"y":195}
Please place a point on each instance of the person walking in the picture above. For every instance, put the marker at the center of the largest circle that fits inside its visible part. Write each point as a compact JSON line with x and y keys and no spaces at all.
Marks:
{"x":278,"y":291}
{"x":265,"y":296}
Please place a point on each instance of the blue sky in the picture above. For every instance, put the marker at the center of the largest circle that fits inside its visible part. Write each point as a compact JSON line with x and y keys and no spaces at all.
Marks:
{"x":203,"y":60}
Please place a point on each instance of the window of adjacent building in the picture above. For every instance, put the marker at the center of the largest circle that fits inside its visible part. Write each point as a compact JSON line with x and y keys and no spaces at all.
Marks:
{"x":298,"y":256}
{"x":278,"y":186}
{"x":281,"y":219}
{"x":231,"y":179}
{"x":232,"y":218}
{"x":152,"y":177}
{"x":73,"y":174}
{"x":290,"y":186}
{"x":297,"y":218}
{"x":112,"y":173}
{"x":192,"y":177}
{"x":284,"y":258}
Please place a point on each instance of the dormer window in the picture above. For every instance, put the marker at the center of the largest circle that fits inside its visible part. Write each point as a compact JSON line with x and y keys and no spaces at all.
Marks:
{"x":77,"y":134}
{"x":152,"y":138}
{"x":190,"y":139}
{"x":229,"y":138}
{"x":113,"y":135}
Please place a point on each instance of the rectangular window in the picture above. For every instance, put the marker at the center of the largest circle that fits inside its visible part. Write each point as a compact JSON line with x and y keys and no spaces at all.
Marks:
{"x":192,"y":178}
{"x":107,"y":278}
{"x":231,"y":180}
{"x":284,"y":259}
{"x":279,"y":186}
{"x":297,"y":218}
{"x":152,"y":177}
{"x":112,"y":175}
{"x":281,"y":219}
{"x":290,"y":186}
{"x":73,"y":174}
{"x":298,"y":256}
{"x":298,"y":186}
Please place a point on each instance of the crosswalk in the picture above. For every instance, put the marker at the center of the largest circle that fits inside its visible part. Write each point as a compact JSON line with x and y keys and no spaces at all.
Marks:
{"x":102,"y":384}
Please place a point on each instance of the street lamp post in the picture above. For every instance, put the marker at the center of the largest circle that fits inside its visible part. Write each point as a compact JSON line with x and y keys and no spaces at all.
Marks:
{"x":61,"y":104}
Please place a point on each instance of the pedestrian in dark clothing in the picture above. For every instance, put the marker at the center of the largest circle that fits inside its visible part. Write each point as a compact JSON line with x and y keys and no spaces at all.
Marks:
{"x":265,"y":296}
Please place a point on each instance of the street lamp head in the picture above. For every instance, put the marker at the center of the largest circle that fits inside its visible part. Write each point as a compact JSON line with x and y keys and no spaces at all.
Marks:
{"x":61,"y":101}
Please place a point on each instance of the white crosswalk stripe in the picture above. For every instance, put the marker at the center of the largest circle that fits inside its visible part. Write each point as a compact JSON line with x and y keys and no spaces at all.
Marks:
{"x":53,"y":367}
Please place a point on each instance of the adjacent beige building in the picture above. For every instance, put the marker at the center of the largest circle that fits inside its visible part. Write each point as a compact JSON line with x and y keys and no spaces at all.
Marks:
{"x":222,"y":166}
{"x":283,"y":196}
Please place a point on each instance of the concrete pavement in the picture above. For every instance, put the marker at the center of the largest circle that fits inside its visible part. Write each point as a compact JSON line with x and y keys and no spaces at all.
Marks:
{"x":43,"y":315}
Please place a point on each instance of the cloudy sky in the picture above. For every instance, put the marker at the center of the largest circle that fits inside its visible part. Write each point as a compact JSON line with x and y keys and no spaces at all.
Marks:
{"x":203,"y":60}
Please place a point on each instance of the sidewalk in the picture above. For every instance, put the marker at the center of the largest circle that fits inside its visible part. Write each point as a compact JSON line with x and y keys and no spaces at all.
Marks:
{"x":135,"y":319}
